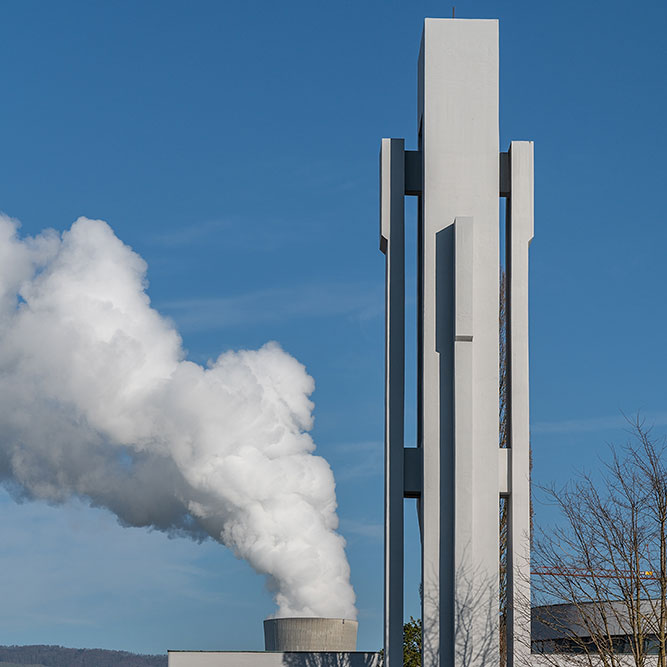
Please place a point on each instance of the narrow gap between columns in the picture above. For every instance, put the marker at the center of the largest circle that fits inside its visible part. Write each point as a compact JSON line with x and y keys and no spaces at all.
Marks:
{"x":503,"y":417}
{"x":412,"y":538}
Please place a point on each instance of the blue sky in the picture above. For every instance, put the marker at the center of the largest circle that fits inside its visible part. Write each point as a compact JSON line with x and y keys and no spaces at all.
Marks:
{"x":234,"y":146}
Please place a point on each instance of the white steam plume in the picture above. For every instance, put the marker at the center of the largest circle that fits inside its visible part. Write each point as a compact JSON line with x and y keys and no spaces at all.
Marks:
{"x":97,"y":401}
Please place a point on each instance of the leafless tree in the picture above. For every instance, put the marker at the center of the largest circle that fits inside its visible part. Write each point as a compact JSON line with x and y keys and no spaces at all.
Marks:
{"x":603,"y":570}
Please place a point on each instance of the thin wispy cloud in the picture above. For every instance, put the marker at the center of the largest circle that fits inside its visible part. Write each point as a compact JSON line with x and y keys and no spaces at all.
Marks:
{"x":278,"y":304}
{"x":199,"y":232}
{"x":595,"y":424}
{"x":238,"y":234}
{"x":356,"y":460}
{"x":367,"y":529}
{"x":59,"y":619}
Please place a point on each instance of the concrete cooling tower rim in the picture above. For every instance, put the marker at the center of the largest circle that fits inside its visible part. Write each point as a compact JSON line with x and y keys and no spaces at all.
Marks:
{"x":310,"y":634}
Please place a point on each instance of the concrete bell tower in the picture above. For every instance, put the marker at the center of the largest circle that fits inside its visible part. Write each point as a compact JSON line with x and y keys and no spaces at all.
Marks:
{"x":457,"y":471}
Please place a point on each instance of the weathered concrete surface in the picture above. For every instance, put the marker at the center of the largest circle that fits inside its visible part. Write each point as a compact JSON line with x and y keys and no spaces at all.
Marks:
{"x":310,"y":634}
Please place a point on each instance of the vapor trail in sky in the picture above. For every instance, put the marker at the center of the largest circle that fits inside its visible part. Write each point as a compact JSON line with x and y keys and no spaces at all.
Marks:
{"x":98,"y":401}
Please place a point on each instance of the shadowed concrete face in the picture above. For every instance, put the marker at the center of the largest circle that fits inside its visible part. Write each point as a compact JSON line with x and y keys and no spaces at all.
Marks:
{"x":310,"y":634}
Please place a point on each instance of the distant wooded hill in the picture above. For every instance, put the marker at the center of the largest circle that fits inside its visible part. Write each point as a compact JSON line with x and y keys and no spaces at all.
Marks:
{"x":58,"y":656}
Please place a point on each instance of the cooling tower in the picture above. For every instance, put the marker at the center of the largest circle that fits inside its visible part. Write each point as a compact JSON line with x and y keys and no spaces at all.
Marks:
{"x":310,"y":634}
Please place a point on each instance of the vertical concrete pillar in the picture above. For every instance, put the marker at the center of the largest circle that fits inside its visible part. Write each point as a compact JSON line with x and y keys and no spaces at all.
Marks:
{"x":458,"y":376}
{"x":519,"y":235}
{"x":392,"y":243}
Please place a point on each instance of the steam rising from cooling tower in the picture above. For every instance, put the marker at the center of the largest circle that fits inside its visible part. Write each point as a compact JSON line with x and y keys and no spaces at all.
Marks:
{"x":97,"y":401}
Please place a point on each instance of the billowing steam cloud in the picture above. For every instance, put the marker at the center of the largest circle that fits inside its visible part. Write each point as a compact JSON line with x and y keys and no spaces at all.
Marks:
{"x":97,"y":401}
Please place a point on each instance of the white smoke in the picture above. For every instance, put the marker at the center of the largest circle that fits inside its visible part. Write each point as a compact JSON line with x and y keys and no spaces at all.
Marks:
{"x":97,"y":401}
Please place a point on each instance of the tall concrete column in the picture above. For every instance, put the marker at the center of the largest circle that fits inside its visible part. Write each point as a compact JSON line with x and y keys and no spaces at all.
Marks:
{"x":519,"y":221}
{"x":457,"y":472}
{"x":458,"y":397}
{"x":392,"y":243}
